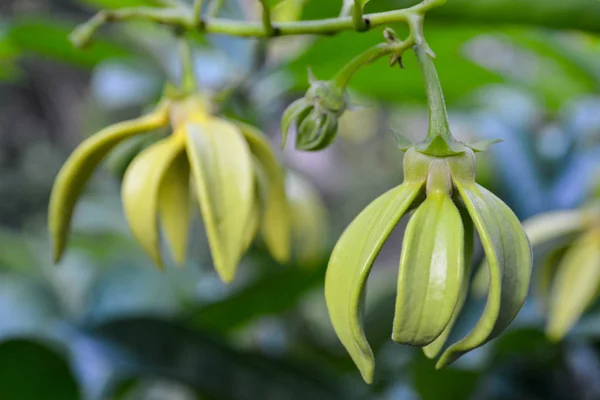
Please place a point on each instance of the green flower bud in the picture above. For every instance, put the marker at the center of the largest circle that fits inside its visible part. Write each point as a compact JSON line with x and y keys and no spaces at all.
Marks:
{"x":434,"y":264}
{"x":315,"y":116}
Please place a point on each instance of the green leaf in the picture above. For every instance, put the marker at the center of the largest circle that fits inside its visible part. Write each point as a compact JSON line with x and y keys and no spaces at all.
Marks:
{"x":271,"y":294}
{"x":431,"y":271}
{"x":159,"y":348}
{"x":222,"y":171}
{"x":114,"y":4}
{"x":575,"y":284}
{"x":449,"y":383}
{"x":508,"y":254}
{"x":350,"y":264}
{"x":30,"y":370}
{"x":50,"y":38}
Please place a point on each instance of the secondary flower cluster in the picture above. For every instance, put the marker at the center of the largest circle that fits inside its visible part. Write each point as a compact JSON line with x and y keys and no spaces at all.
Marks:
{"x":575,"y":264}
{"x":232,"y":169}
{"x":434,"y":264}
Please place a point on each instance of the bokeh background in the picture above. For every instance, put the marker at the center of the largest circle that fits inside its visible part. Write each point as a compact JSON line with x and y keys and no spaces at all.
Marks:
{"x":105,"y":324}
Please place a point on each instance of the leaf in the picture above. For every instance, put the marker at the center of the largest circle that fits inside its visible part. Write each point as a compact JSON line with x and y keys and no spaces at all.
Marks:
{"x":141,"y":189}
{"x":433,"y":349}
{"x":449,"y":383}
{"x":271,"y":294}
{"x":114,"y":4}
{"x":49,"y":38}
{"x":80,"y":166}
{"x":159,"y":348}
{"x":350,"y":264}
{"x":30,"y":370}
{"x":275,"y":224}
{"x":431,"y":271}
{"x":508,"y":254}
{"x":223,"y":173}
{"x":575,"y":284}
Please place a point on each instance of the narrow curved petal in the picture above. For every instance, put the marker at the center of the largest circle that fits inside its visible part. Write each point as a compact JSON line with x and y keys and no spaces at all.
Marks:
{"x":431,"y":271}
{"x":290,"y":115}
{"x":509,"y":259}
{"x":546,"y":272}
{"x":575,"y":285}
{"x":434,"y":348}
{"x":275,"y":224}
{"x":174,"y":206}
{"x":223,"y":173}
{"x":350,"y":264}
{"x":140,"y":191}
{"x":539,"y":229}
{"x":80,"y":166}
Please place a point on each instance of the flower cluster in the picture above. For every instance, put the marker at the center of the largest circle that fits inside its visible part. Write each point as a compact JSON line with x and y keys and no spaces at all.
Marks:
{"x":237,"y":179}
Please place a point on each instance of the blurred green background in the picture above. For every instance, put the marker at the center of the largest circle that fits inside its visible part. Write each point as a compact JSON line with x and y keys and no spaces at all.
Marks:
{"x":105,"y":324}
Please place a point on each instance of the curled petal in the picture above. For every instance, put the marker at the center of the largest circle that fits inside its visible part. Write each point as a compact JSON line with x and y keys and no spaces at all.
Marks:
{"x":275,"y":224}
{"x":222,"y":170}
{"x":509,"y":259}
{"x":575,"y":285}
{"x":174,"y":206}
{"x":350,"y":264}
{"x":434,"y":348}
{"x":82,"y":163}
{"x":141,"y":191}
{"x":431,"y":271}
{"x":290,"y":116}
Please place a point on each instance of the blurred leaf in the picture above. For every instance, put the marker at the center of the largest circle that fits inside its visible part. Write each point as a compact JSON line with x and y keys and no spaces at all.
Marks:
{"x":113,"y":4}
{"x":49,"y":38}
{"x":447,"y":383}
{"x":16,"y":253}
{"x":162,"y":348}
{"x":272,"y":294}
{"x":572,"y":14}
{"x":32,"y":371}
{"x":523,"y":343}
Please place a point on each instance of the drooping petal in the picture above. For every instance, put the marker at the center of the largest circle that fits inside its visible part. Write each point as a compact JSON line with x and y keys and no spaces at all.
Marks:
{"x":434,"y":348}
{"x":539,"y":229}
{"x":509,"y":259}
{"x":275,"y":224}
{"x":431,"y":271}
{"x":575,"y":285}
{"x":223,"y":173}
{"x":309,"y":220}
{"x":546,"y":272}
{"x":174,"y":206}
{"x":141,"y":188}
{"x":350,"y":264}
{"x":80,"y":166}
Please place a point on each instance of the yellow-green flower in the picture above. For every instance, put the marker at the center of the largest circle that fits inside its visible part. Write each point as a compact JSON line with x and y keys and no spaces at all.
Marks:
{"x":435,"y":259}
{"x":568,"y":278}
{"x":230,"y":167}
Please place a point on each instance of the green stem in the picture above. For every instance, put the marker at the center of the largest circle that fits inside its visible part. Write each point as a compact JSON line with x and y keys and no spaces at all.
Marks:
{"x":188,"y":74}
{"x":184,"y":19}
{"x":357,"y":17}
{"x":438,"y":116}
{"x":266,"y":19}
{"x":342,"y":79}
